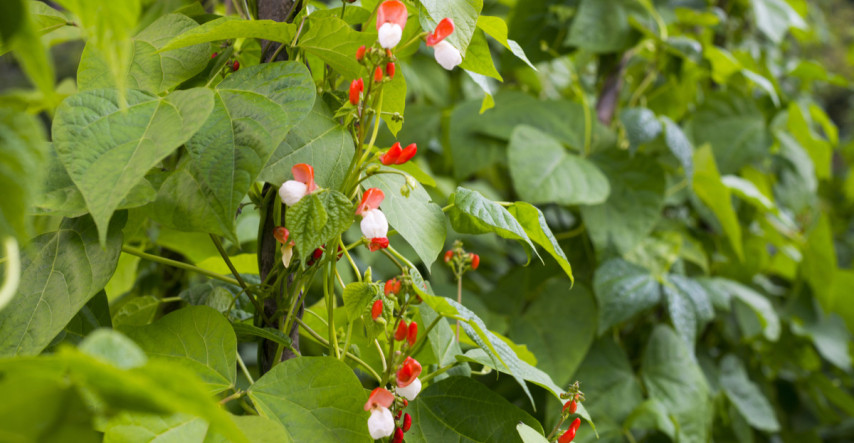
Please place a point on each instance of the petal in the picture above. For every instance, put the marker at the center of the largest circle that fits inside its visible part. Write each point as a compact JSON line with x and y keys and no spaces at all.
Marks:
{"x":410,"y":391}
{"x":392,"y":11}
{"x":391,"y":156}
{"x":443,"y":29}
{"x":380,"y":423}
{"x":389,"y":35}
{"x":380,"y":397}
{"x":371,"y":199}
{"x":292,"y":192}
{"x":374,"y":224}
{"x":446,"y":55}
{"x":304,"y":173}
{"x":407,"y":154}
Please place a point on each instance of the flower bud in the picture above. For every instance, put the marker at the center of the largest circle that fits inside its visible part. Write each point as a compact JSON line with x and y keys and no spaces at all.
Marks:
{"x":398,"y":436}
{"x":407,"y":422}
{"x":378,"y":243}
{"x":389,"y":70}
{"x":567,"y":436}
{"x":575,"y":423}
{"x":378,"y":75}
{"x":412,"y":334}
{"x":356,"y":88}
{"x":236,"y":65}
{"x":475,"y":260}
{"x":281,"y":234}
{"x":448,"y":256}
{"x":391,"y":156}
{"x":377,"y":309}
{"x":407,"y":154}
{"x":570,"y":407}
{"x":214,"y":55}
{"x":400,"y":333}
{"x":360,"y":53}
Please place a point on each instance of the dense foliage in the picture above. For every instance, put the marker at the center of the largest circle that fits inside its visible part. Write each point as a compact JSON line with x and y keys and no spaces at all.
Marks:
{"x":275,"y":220}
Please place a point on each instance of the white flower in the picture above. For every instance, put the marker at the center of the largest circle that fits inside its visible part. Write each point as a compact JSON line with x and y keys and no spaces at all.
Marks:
{"x":411,"y":390}
{"x":389,"y":35}
{"x":374,"y":224}
{"x":287,"y":254}
{"x":381,"y":423}
{"x":447,"y":55}
{"x":292,"y":192}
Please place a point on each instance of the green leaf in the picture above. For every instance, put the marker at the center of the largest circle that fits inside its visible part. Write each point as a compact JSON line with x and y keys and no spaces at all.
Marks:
{"x":610,"y":385}
{"x":748,"y":192}
{"x":602,"y":26}
{"x":473,"y":214}
{"x":229,"y":28}
{"x":641,"y":126}
{"x":558,"y":316}
{"x":712,"y":192}
{"x":22,"y":154}
{"x":680,"y":146}
{"x":274,"y":335}
{"x":359,"y":296}
{"x":330,"y":411}
{"x":416,"y":218}
{"x":229,"y":300}
{"x":651,"y":415}
{"x":197,"y":337}
{"x":318,"y":141}
{"x":138,"y":311}
{"x":394,"y":102}
{"x":253,"y":112}
{"x":464,"y":13}
{"x":758,"y":303}
{"x":544,"y":172}
{"x":21,"y":35}
{"x":529,"y":434}
{"x":734,"y":127}
{"x":688,"y":305}
{"x":623,"y":290}
{"x":115,"y":348}
{"x":746,"y":395}
{"x":672,"y":376}
{"x":61,"y":271}
{"x":140,"y":427}
{"x":105,"y":147}
{"x":634,"y":205}
{"x":335,"y":42}
{"x":150,"y":69}
{"x":461,"y":409}
{"x":819,"y":149}
{"x":775,"y":17}
{"x":496,"y":28}
{"x":478,"y":57}
{"x":93,"y":315}
{"x":534,"y":223}
{"x":317,"y":219}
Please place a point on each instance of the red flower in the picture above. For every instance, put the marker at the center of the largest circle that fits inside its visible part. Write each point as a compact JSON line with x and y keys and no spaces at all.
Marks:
{"x":360,"y":53}
{"x":371,"y":199}
{"x":397,"y":156}
{"x":391,"y":19}
{"x":448,"y":256}
{"x":412,"y":335}
{"x":475,"y":260}
{"x":567,"y":436}
{"x":378,"y":243}
{"x":576,"y":423}
{"x":400,"y":333}
{"x":408,"y":372}
{"x":378,"y":75}
{"x":281,"y":234}
{"x":570,"y":406}
{"x":443,"y":29}
{"x":389,"y":69}
{"x":377,"y":309}
{"x":304,"y":173}
{"x":214,"y":55}
{"x":380,"y":397}
{"x":407,"y":154}
{"x":392,"y":286}
{"x":356,"y":88}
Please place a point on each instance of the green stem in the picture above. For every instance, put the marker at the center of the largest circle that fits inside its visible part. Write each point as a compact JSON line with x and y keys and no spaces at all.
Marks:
{"x":400,"y":257}
{"x":347,"y":339}
{"x":237,"y":394}
{"x":244,"y":369}
{"x":227,"y":260}
{"x":346,"y":250}
{"x":447,"y":208}
{"x":441,"y":370}
{"x":178,"y":264}
{"x":330,"y":313}
{"x":325,"y":342}
{"x":382,"y":355}
{"x":570,"y":234}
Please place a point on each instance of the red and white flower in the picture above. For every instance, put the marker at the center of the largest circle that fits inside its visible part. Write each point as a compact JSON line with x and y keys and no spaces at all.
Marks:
{"x":408,"y":384}
{"x":445,"y":53}
{"x":391,"y":19}
{"x":292,"y":191}
{"x":381,"y":422}
{"x":374,"y":224}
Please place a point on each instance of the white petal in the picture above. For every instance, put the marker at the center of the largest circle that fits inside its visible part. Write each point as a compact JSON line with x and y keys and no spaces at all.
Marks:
{"x":410,"y":391}
{"x":374,"y":224}
{"x":380,"y":423}
{"x":447,"y":55}
{"x":292,"y":191}
{"x":389,"y":35}
{"x":287,"y":254}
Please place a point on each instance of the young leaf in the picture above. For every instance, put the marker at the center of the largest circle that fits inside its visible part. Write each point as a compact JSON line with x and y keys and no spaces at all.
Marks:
{"x":335,"y":42}
{"x":317,"y":219}
{"x":464,"y":13}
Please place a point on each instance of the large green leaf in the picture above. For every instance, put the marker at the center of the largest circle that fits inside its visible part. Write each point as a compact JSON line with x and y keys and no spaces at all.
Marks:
{"x":478,"y":58}
{"x":198,"y":337}
{"x":151,"y":70}
{"x":819,"y":149}
{"x":544,"y":172}
{"x":558,"y":316}
{"x":712,"y":192}
{"x":672,"y":376}
{"x":335,"y":42}
{"x":496,"y":28}
{"x":62,"y":270}
{"x":463,"y":410}
{"x":609,"y":383}
{"x":534,"y":223}
{"x":734,"y":127}
{"x":254,"y":110}
{"x":473,"y":214}
{"x":464,"y":13}
{"x":680,"y":146}
{"x":688,"y":305}
{"x":317,"y":218}
{"x":633,"y":206}
{"x":22,"y":153}
{"x":623,"y":290}
{"x":227,"y":28}
{"x":105,"y":147}
{"x":746,"y":396}
{"x":318,"y":141}
{"x":179,"y":428}
{"x":394,"y":103}
{"x":415,"y":217}
{"x":315,"y":399}
{"x":759,"y":304}
{"x":775,"y":17}
{"x":641,"y":126}
{"x":602,"y":26}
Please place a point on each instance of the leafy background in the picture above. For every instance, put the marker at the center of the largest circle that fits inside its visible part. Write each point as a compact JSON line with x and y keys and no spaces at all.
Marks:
{"x":691,"y":157}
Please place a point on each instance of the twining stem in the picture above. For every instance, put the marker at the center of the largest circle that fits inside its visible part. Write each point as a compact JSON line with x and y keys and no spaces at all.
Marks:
{"x":347,"y":339}
{"x":237,"y":394}
{"x":382,"y":355}
{"x":178,"y":264}
{"x":391,"y":257}
{"x":227,"y":260}
{"x":571,"y":233}
{"x":325,"y":342}
{"x":346,"y":250}
{"x":244,"y":369}
{"x":401,"y":258}
{"x":330,"y":312}
{"x":441,"y":370}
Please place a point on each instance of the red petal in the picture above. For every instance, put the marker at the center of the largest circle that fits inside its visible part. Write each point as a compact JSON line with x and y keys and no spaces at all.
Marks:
{"x":390,"y":157}
{"x":379,"y":397}
{"x":409,"y":371}
{"x":448,"y":256}
{"x":413,"y":333}
{"x":576,"y":423}
{"x":360,"y":53}
{"x":378,"y":74}
{"x":400,"y":334}
{"x":356,"y":87}
{"x":443,"y":29}
{"x":371,"y":199}
{"x":407,"y":154}
{"x":389,"y":69}
{"x":377,"y":309}
{"x":281,"y":234}
{"x":407,"y":422}
{"x":378,"y":243}
{"x":392,"y":11}
{"x":567,"y":436}
{"x":475,"y":261}
{"x":304,"y":173}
